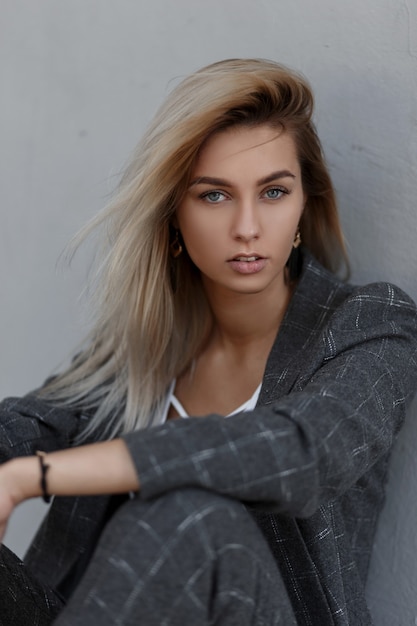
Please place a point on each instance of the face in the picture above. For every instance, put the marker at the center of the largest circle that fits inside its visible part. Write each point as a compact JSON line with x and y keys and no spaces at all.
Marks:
{"x":240,"y":214}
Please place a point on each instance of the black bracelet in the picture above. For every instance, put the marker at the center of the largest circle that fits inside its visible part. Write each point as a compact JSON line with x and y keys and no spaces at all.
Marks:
{"x":44,"y":468}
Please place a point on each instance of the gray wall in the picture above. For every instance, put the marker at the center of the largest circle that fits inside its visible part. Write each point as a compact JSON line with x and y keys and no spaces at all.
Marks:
{"x":79,"y":81}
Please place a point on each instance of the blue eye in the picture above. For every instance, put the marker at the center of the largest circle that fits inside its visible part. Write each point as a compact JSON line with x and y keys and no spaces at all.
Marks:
{"x":274,"y":193}
{"x":213,"y":196}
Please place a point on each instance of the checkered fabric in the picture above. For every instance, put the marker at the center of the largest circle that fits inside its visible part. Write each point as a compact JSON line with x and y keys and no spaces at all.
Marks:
{"x":309,"y":462}
{"x":188,"y":557}
{"x":24,"y":601}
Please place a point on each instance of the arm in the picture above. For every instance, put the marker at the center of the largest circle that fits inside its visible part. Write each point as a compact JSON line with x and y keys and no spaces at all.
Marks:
{"x":315,"y":443}
{"x":102,"y":468}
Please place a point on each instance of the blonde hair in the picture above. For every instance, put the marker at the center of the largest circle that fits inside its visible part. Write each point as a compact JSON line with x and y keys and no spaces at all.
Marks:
{"x":147,"y":333}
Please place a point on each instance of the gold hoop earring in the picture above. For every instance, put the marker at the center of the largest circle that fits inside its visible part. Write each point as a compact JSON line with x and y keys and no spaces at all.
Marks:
{"x":297,"y":238}
{"x":175,"y":246}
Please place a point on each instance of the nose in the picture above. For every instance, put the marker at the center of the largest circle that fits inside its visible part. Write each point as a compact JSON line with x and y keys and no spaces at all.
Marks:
{"x":245,"y":226}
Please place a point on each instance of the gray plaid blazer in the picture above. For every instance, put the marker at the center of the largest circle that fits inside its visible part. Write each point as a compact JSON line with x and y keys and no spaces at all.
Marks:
{"x":309,"y":462}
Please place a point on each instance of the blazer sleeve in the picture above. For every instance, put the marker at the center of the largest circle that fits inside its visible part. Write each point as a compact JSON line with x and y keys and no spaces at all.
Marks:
{"x":28,"y":424}
{"x":313,"y":444}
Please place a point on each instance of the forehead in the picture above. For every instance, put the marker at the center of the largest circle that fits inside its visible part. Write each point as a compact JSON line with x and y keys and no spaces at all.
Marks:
{"x":239,"y":146}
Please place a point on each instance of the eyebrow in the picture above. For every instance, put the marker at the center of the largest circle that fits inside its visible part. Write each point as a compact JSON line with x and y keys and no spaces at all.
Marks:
{"x":209,"y":180}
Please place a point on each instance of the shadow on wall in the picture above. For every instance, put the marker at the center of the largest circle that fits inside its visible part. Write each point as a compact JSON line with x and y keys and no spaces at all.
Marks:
{"x":392,"y":583}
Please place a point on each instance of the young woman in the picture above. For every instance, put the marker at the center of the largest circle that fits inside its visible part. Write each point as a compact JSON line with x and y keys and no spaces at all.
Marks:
{"x":218,"y":450}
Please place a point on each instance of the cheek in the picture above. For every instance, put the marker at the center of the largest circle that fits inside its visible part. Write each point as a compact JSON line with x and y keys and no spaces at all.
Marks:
{"x":198,"y":230}
{"x":192,"y":232}
{"x":190,"y":235}
{"x":204,"y":242}
{"x":200,"y":242}
{"x":282,"y":224}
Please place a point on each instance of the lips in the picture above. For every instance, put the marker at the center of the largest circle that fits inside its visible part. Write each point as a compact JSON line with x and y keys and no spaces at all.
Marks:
{"x":247,"y":263}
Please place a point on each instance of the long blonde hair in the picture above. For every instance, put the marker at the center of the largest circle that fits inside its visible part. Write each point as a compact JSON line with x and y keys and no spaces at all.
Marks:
{"x":146,"y":332}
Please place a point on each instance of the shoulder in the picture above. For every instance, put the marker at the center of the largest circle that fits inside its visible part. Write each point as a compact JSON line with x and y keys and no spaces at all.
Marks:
{"x":328,"y":316}
{"x":356,"y":306}
{"x":369,"y":304}
{"x":377,"y":322}
{"x":335,"y":324}
{"x":362,"y":336}
{"x":373,"y":322}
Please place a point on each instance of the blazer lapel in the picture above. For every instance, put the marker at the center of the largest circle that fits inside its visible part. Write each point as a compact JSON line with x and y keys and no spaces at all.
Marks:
{"x":317,"y":294}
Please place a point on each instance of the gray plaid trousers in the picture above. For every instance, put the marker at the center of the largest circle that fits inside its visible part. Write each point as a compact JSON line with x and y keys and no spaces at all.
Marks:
{"x":188,"y":557}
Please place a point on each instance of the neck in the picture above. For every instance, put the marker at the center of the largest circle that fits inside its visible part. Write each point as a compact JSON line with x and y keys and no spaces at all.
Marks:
{"x":243,"y":322}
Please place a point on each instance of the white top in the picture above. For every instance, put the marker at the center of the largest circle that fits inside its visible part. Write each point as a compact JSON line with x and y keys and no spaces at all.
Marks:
{"x":172,"y":400}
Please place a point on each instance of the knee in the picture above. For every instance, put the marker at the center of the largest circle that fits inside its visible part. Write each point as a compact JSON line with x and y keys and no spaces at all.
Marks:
{"x":192,"y":515}
{"x":200,"y":504}
{"x":203,"y":531}
{"x":182,"y":506}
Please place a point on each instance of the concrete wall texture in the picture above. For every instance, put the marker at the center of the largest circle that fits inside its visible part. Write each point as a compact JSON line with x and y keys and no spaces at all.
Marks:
{"x":79,"y":81}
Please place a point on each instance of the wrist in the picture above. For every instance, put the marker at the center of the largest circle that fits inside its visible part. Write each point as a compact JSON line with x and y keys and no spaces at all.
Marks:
{"x":24,"y":478}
